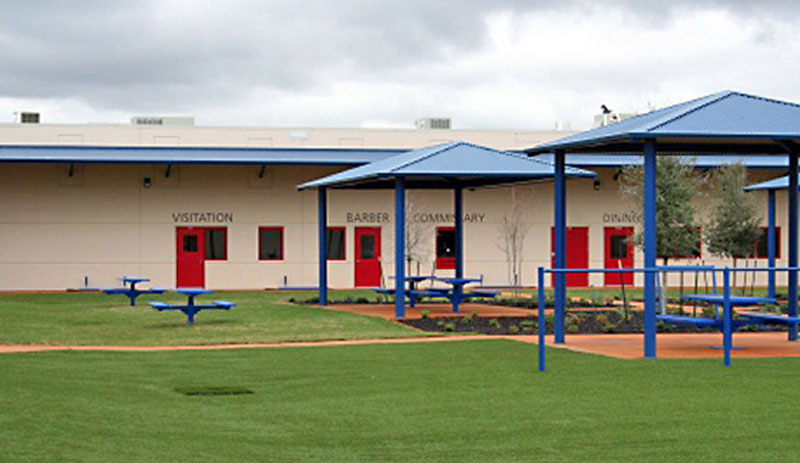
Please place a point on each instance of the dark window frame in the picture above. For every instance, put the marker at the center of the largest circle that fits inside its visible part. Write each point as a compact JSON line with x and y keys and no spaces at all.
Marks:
{"x":444,"y":262}
{"x":765,"y":233}
{"x":344,"y":243}
{"x":224,"y":231}
{"x":280,"y":245}
{"x":699,"y":254}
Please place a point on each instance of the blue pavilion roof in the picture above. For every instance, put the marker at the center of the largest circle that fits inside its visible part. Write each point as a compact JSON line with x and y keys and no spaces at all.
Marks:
{"x":704,"y":161}
{"x":781,"y":183}
{"x":443,"y":166}
{"x":722,"y":122}
{"x":194,"y":155}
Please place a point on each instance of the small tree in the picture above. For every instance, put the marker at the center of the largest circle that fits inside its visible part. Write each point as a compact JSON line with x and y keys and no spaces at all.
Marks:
{"x":676,"y":227}
{"x":734,"y":223}
{"x":513,"y":229}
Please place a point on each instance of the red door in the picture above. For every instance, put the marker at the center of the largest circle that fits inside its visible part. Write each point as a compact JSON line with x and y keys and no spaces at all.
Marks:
{"x":618,"y":254}
{"x":368,"y":255}
{"x":577,"y":254}
{"x":191,"y":256}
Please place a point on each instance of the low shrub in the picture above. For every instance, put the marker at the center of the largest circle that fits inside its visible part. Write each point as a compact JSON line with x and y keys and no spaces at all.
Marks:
{"x":425,"y":314}
{"x":513,"y":329}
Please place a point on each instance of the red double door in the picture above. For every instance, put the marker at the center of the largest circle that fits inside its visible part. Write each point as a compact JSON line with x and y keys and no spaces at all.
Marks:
{"x":577,"y":254}
{"x":618,"y":254}
{"x":368,"y":256}
{"x":190,"y":257}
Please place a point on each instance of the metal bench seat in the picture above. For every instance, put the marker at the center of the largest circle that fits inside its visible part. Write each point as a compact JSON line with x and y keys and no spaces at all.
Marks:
{"x":773,"y":319}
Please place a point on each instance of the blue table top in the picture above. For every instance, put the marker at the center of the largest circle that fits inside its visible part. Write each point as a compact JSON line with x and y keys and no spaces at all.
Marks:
{"x":418,"y":278}
{"x":126,"y":279}
{"x":735,"y":300}
{"x":458,"y":281}
{"x":193,"y":291}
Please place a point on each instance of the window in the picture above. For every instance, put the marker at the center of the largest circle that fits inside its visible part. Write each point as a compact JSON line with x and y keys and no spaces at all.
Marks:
{"x":619,"y":247}
{"x":445,"y":248}
{"x":270,"y":243}
{"x":216,"y":243}
{"x":336,"y":243}
{"x":697,"y":254}
{"x":762,"y":243}
{"x":189,"y":243}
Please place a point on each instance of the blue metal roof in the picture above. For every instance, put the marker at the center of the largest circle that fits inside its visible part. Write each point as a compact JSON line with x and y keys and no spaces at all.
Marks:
{"x":723,"y":120}
{"x":443,"y":166}
{"x":781,"y":183}
{"x":193,"y":155}
{"x":704,"y":161}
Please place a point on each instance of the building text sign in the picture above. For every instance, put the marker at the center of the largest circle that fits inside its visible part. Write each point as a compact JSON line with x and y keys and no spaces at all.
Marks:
{"x":202,"y":217}
{"x":418,"y":217}
{"x":622,"y":217}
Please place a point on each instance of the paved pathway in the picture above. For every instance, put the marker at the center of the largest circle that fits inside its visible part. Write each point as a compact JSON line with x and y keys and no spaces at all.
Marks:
{"x":624,"y":346}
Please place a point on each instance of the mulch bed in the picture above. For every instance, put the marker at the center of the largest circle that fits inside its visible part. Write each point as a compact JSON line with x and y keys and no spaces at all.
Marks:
{"x":584,"y":322}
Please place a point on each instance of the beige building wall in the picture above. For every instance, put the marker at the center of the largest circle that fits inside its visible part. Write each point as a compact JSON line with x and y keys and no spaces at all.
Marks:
{"x":298,"y":137}
{"x":101,"y":222}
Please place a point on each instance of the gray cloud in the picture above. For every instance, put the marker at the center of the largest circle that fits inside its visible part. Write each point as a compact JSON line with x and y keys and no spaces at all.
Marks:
{"x":199,"y":57}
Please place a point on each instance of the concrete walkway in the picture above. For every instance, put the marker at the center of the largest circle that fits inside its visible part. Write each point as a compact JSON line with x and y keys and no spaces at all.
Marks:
{"x":623,"y":346}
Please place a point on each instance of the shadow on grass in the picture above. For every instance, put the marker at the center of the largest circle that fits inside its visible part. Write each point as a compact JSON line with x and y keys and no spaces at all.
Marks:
{"x":197,"y":323}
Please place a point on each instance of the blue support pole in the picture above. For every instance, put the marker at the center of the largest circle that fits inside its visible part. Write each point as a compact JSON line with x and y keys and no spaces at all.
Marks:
{"x":399,"y":247}
{"x":322,"y":220}
{"x":771,"y":241}
{"x":560,"y":238}
{"x":458,"y":200}
{"x":792,"y":312}
{"x":541,"y":318}
{"x":650,"y":234}
{"x":727,"y":317}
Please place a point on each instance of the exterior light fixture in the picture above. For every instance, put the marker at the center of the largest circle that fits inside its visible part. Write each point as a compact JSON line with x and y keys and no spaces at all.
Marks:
{"x":597,"y":185}
{"x":147,"y":182}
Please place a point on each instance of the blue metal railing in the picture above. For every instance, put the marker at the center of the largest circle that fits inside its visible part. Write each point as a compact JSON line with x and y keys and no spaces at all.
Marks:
{"x":727,"y":321}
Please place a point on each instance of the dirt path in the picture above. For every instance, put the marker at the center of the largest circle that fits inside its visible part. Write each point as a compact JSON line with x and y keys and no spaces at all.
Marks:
{"x":17,"y":348}
{"x":624,"y":346}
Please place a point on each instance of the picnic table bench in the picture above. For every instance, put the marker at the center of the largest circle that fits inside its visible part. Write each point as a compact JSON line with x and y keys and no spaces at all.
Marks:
{"x":131,"y":291}
{"x":455,"y":294}
{"x":771,"y":319}
{"x":749,"y":318}
{"x":190,"y":309}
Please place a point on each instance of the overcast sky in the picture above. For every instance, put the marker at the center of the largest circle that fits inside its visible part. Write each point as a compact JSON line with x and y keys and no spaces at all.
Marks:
{"x":486,"y":64}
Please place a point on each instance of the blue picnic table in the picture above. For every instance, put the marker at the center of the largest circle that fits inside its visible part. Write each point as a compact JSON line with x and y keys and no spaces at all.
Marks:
{"x":454,"y":293}
{"x":190,"y":309}
{"x":131,"y":291}
{"x":748,"y":318}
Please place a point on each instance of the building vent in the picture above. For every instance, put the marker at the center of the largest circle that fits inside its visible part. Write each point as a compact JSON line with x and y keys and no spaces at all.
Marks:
{"x":26,"y":117}
{"x":162,"y":120}
{"x":433,"y":123}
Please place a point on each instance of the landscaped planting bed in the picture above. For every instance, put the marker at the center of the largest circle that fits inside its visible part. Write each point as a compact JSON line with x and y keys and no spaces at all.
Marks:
{"x":583,"y":322}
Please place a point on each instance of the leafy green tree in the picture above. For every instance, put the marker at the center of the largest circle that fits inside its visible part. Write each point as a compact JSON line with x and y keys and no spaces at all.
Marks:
{"x":677,"y":184}
{"x":734,"y":223}
{"x":676,"y":227}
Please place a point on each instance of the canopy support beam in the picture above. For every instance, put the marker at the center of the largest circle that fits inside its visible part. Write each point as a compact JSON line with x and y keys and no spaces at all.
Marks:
{"x":322,"y":220}
{"x":792,"y":312}
{"x":771,"y":241}
{"x":399,"y":247}
{"x":458,"y":203}
{"x":650,"y":251}
{"x":560,"y":242}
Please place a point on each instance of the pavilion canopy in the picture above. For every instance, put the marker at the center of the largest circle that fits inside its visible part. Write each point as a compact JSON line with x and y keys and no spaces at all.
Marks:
{"x":725,"y":122}
{"x":445,"y":166}
{"x":781,"y":183}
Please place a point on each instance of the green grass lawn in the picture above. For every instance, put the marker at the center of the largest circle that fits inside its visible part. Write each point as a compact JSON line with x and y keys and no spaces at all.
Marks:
{"x":461,"y":401}
{"x":261,"y":316}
